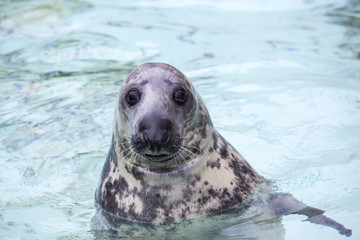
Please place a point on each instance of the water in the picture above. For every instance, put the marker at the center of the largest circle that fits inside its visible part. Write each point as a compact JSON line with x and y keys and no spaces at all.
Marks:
{"x":281,"y":80}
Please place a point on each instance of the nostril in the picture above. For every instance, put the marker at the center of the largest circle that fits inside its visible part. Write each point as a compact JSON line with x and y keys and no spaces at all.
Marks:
{"x":137,"y":141}
{"x":144,"y":137}
{"x":165,"y":139}
{"x":166,"y":124}
{"x":145,"y":140}
{"x":142,"y":127}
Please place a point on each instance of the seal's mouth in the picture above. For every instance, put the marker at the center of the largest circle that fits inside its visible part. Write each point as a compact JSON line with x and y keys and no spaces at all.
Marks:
{"x":158,"y":157}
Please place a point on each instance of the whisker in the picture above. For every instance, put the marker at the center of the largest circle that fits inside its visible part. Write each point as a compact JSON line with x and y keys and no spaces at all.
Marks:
{"x":125,"y":142}
{"x":167,"y":74}
{"x":192,"y":149}
{"x":177,"y":159}
{"x":130,"y":151}
{"x":187,"y":151}
{"x":173,"y":74}
{"x":184,"y":155}
{"x":139,"y":74}
{"x":133,"y":156}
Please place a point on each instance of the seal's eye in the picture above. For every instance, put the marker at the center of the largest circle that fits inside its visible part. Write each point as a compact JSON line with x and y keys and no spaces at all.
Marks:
{"x":133,"y":96}
{"x":179,"y":96}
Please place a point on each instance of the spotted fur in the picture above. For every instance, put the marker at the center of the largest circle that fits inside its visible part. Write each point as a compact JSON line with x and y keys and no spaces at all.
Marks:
{"x":207,"y":176}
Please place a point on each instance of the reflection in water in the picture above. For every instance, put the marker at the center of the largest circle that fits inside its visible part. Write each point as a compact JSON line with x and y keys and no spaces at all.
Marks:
{"x":349,"y":16}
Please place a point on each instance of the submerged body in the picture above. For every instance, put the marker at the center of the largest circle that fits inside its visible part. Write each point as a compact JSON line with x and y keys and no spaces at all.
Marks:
{"x":167,"y":163}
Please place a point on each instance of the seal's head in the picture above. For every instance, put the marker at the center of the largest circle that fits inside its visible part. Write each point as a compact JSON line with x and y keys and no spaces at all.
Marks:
{"x":157,"y":108}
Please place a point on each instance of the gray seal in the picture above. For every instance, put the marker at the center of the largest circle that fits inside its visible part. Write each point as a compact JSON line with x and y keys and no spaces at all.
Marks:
{"x":166,"y":162}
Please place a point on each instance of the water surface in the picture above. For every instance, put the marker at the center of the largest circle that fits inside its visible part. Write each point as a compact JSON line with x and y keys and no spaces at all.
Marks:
{"x":281,"y":80}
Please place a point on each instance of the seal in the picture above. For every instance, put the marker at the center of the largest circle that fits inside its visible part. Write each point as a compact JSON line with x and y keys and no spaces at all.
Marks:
{"x":166,"y":162}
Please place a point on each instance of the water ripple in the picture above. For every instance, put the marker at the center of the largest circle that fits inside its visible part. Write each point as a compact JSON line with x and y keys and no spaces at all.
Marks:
{"x":281,"y":82}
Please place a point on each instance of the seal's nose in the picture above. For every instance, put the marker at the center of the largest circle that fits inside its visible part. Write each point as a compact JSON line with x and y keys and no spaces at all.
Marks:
{"x":155,"y":132}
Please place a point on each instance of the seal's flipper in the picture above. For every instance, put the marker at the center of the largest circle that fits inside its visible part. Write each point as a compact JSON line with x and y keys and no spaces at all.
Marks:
{"x":323,"y":220}
{"x":285,"y":204}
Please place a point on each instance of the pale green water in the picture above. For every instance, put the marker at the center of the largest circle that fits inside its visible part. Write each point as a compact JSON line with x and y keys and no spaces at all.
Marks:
{"x":281,"y":80}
